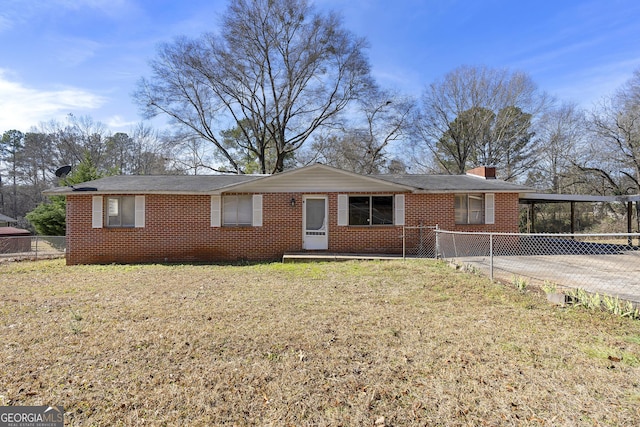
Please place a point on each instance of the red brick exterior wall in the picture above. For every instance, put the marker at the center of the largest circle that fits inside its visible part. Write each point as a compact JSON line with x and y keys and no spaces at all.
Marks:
{"x":178,"y":229}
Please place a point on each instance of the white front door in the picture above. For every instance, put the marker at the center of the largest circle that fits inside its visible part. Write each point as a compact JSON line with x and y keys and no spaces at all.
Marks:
{"x":314,"y":221}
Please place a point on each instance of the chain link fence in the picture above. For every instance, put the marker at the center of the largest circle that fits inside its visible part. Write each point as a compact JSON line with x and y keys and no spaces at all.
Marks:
{"x":607,"y":264}
{"x":419,"y":241}
{"x":31,"y":247}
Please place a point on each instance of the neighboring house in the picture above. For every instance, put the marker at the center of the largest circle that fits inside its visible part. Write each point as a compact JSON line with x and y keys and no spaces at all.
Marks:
{"x":6,"y":221}
{"x":132,"y":219}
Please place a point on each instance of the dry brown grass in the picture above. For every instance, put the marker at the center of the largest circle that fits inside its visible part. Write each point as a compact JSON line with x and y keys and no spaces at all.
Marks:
{"x":356,"y":343}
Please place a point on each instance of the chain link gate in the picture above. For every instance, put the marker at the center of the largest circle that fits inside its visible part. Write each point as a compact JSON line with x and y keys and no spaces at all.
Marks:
{"x":419,"y":241}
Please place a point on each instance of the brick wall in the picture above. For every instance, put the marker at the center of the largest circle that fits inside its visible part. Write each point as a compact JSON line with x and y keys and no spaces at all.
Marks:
{"x":178,"y":229}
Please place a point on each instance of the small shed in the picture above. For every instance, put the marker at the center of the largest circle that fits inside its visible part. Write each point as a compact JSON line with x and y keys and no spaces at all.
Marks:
{"x":14,"y":239}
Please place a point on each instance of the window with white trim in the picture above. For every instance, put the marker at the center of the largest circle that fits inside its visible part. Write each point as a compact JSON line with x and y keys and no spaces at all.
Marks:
{"x":237,"y":210}
{"x":470,"y":208}
{"x":370,"y":210}
{"x":120,"y":211}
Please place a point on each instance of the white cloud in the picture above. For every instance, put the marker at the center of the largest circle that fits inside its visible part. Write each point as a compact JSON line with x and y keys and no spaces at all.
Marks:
{"x":112,"y":8}
{"x":589,"y":85}
{"x":5,"y":22}
{"x":118,"y":122}
{"x":15,"y":13}
{"x":23,"y":107}
{"x":74,"y":51}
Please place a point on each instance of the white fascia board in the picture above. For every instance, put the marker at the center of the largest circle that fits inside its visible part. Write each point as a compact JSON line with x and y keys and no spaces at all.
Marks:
{"x":295,"y":186}
{"x":542,"y":197}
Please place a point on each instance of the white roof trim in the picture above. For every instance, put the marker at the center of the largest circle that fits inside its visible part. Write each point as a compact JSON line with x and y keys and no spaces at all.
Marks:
{"x":288,"y":174}
{"x":559,"y":198}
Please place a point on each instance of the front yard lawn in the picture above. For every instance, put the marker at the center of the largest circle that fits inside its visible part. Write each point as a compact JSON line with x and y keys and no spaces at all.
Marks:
{"x":353,"y":343}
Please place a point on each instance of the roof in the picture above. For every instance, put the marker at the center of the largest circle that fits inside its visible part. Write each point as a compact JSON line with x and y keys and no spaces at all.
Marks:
{"x":4,"y":218}
{"x":13,"y":231}
{"x":149,"y":184}
{"x":314,"y":178}
{"x":455,"y":183}
{"x":532,"y":198}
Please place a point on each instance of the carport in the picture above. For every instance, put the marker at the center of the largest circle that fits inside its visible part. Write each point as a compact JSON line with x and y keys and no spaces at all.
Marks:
{"x":532,"y":199}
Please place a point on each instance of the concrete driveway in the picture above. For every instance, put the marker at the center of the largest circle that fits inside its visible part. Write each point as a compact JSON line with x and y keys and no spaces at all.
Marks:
{"x":611,"y":274}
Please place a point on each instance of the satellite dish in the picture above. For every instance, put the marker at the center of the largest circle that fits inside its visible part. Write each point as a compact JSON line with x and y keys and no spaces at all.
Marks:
{"x":63,"y":171}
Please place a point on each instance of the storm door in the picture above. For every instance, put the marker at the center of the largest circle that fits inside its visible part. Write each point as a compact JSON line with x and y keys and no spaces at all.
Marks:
{"x":314,"y":224}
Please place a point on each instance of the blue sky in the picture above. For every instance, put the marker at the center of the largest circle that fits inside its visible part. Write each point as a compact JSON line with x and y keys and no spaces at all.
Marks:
{"x":85,"y":56}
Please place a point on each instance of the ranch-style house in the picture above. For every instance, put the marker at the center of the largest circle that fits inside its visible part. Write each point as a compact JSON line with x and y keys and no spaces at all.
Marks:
{"x":216,"y":218}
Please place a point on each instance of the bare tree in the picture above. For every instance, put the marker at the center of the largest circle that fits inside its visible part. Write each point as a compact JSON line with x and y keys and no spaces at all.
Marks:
{"x":149,"y":157}
{"x":478,"y":115}
{"x":561,"y":136}
{"x":137,"y":154}
{"x":76,"y":137}
{"x":279,"y":71}
{"x":37,"y":168}
{"x":381,"y":120}
{"x":615,"y":147}
{"x":189,"y":155}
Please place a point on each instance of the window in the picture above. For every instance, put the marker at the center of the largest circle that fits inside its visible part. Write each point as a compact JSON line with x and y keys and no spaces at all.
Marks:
{"x":470,"y":209}
{"x":370,"y":210}
{"x":118,"y":211}
{"x":237,"y":210}
{"x":121,"y":211}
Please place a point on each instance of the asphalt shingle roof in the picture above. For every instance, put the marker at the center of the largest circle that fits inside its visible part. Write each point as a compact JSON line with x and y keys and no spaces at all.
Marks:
{"x":203,"y":184}
{"x":158,"y":184}
{"x":453,"y":183}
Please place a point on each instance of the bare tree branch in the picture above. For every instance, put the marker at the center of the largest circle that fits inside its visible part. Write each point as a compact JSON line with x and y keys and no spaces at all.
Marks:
{"x":279,"y":72}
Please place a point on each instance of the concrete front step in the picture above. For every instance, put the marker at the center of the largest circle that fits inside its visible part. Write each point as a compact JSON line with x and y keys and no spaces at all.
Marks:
{"x":327,"y":256}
